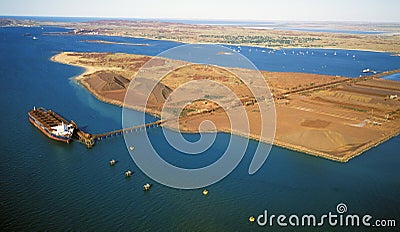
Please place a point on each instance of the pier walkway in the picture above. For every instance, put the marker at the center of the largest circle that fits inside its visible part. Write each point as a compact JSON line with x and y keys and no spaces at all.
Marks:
{"x":90,"y":139}
{"x":127,"y":130}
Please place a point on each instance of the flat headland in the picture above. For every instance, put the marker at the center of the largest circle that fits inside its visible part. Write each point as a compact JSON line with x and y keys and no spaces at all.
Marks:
{"x":332,"y":117}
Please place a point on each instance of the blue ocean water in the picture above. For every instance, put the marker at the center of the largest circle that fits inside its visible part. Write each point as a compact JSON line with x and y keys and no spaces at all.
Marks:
{"x":276,"y":26}
{"x":393,"y":77}
{"x":348,"y":63}
{"x":360,"y":32}
{"x":47,"y":185}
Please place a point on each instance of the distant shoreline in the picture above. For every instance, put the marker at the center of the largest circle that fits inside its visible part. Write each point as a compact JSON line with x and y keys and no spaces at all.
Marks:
{"x":236,"y":35}
{"x":394,"y":53}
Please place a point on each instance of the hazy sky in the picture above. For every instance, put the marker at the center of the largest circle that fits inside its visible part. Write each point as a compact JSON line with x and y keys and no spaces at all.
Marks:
{"x":304,"y":10}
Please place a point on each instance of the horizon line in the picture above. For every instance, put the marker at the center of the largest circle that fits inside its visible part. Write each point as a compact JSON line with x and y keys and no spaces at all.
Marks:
{"x":200,"y":19}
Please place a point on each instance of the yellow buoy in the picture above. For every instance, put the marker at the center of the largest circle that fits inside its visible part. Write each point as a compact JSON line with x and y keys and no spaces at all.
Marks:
{"x":128,"y":173}
{"x":146,"y":187}
{"x":252,"y":219}
{"x":205,"y":192}
{"x":131,"y":148}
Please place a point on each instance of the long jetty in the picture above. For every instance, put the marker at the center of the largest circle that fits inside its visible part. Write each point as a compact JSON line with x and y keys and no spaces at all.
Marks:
{"x":128,"y":130}
{"x":90,"y":139}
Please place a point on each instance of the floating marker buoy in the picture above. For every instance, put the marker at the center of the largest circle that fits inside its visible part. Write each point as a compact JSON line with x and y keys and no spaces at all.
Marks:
{"x":128,"y":173}
{"x":146,"y":187}
{"x":252,"y":219}
{"x":112,"y":162}
{"x":205,"y":192}
{"x":131,"y":148}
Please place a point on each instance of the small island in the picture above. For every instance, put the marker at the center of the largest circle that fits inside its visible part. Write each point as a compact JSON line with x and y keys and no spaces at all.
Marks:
{"x":332,"y":117}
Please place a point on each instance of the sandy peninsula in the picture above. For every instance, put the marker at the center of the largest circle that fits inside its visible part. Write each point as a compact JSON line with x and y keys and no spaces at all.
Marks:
{"x":332,"y":117}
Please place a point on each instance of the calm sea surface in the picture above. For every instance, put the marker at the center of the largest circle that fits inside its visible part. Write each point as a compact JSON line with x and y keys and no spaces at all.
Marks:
{"x":47,"y":185}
